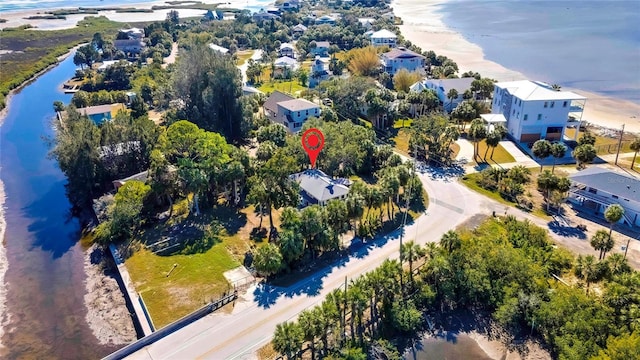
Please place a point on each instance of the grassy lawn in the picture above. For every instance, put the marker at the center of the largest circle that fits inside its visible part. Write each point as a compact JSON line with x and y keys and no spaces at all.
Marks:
{"x":500,"y":155}
{"x":401,"y":141}
{"x":469,"y":181}
{"x":398,"y":124}
{"x":605,"y":144}
{"x":198,"y":277}
{"x":243,"y":56}
{"x":290,"y":87}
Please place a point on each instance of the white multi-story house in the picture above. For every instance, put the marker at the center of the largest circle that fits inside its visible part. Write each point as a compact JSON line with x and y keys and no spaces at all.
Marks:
{"x":595,"y":189}
{"x":402,"y":58}
{"x":284,"y":67}
{"x":442,"y":88}
{"x":319,"y":71}
{"x":287,"y":49}
{"x":534,"y":110}
{"x":383,"y":37}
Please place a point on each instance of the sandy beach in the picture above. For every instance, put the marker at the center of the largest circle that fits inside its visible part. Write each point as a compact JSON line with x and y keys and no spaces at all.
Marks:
{"x":423,"y":26}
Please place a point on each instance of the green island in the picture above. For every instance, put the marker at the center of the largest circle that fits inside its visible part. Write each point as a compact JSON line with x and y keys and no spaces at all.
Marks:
{"x":177,"y":150}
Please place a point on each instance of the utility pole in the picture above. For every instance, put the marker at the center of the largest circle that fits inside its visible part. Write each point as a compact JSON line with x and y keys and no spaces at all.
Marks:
{"x":619,"y":143}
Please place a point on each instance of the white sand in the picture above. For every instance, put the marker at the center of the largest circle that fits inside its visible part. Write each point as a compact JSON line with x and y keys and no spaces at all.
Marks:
{"x":4,"y":315}
{"x":423,"y":26}
{"x":497,"y":350}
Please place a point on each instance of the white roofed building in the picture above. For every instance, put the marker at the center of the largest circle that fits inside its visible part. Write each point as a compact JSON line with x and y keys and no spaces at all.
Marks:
{"x":383,"y":37}
{"x":316,"y":187}
{"x":534,"y":110}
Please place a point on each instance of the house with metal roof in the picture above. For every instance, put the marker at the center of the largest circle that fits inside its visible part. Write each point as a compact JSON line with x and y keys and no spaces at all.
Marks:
{"x":402,"y":58}
{"x":596,"y":188}
{"x":535,"y":110}
{"x":316,"y":187}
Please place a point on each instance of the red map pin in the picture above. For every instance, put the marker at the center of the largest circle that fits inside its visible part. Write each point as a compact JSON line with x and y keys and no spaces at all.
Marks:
{"x":312,"y":142}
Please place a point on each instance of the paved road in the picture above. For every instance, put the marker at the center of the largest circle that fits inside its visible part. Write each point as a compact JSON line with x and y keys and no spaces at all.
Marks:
{"x":237,"y":336}
{"x":254,"y":318}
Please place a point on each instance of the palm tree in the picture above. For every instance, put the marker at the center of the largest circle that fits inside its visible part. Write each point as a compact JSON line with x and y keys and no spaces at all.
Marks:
{"x":451,"y":95}
{"x":410,"y":251}
{"x":635,"y":146}
{"x":618,"y":264}
{"x":602,"y":242}
{"x":613,"y":214}
{"x":587,"y":269}
{"x":547,"y":182}
{"x":287,"y":339}
{"x":541,"y":149}
{"x":307,"y":322}
{"x":558,"y":150}
{"x":493,"y":140}
{"x":477,"y":132}
{"x":450,"y":241}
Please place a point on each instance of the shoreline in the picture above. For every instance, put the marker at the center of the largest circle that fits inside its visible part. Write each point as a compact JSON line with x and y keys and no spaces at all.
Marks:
{"x":423,"y":25}
{"x":17,"y":17}
{"x":107,"y":313}
{"x":4,"y":266}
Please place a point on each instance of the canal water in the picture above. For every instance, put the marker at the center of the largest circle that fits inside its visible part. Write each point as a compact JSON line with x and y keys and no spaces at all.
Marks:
{"x":45,"y":277}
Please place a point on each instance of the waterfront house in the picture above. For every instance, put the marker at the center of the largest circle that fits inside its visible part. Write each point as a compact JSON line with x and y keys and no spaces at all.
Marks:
{"x":534,"y":110}
{"x":129,"y":46}
{"x":388,"y":16}
{"x":402,"y":58}
{"x":442,"y":88}
{"x":367,"y":23}
{"x":595,"y":189}
{"x":287,"y":49}
{"x":383,"y":37}
{"x":101,"y":113}
{"x":316,"y":187}
{"x":132,"y":33}
{"x":264,"y":16}
{"x":288,"y":5}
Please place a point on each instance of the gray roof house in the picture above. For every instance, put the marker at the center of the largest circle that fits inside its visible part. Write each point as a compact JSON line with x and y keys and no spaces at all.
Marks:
{"x":316,"y":187}
{"x":596,"y":188}
{"x":291,"y":112}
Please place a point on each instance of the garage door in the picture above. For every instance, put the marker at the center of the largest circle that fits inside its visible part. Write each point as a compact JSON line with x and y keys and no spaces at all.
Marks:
{"x":529,"y":137}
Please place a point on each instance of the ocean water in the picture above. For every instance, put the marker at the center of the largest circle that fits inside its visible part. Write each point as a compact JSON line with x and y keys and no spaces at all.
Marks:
{"x":18,"y":5}
{"x":587,"y":44}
